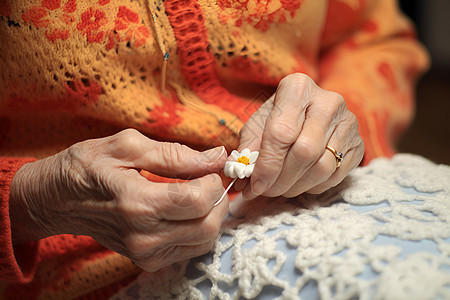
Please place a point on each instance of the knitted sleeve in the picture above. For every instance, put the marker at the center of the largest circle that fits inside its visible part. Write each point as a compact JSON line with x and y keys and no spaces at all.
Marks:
{"x":17,"y":263}
{"x":370,"y":55}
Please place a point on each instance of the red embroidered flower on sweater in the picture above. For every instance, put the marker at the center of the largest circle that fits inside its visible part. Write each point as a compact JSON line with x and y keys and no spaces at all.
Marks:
{"x":165,"y":116}
{"x":128,"y":28}
{"x":52,"y":15}
{"x":92,"y":21}
{"x":259,"y":13}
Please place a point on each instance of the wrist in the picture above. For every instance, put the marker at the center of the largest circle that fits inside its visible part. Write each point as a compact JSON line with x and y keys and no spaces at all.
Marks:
{"x":29,"y":216}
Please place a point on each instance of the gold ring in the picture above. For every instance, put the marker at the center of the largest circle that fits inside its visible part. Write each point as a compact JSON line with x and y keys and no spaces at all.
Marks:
{"x":339,"y":155}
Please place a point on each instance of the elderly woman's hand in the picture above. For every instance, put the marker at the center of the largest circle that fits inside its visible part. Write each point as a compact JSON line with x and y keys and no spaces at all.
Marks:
{"x":94,"y":188}
{"x":291,"y":130}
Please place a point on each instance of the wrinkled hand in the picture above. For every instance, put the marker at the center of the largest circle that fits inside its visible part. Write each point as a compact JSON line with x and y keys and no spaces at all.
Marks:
{"x":291,"y":131}
{"x":94,"y":188}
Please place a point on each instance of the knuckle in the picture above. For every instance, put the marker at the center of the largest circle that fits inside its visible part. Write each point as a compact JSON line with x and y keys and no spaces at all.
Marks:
{"x":335,"y":105}
{"x":209,"y":195}
{"x":210,"y":228}
{"x":352,"y":120}
{"x":283,"y":133}
{"x":307,"y":150}
{"x":173,"y":154}
{"x":296,"y":79}
{"x":361,"y":146}
{"x":202,"y":206}
{"x":354,"y":124}
{"x":127,"y":135}
{"x":153,"y":264}
{"x":125,"y":142}
{"x":137,"y":247}
{"x":302,"y":86}
{"x":324,"y":169}
{"x":338,"y":99}
{"x":334,"y":98}
{"x":206,"y":247}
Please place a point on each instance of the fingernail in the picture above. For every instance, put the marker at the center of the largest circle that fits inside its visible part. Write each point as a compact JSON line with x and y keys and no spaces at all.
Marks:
{"x":213,"y":155}
{"x":253,"y":191}
{"x":259,"y":187}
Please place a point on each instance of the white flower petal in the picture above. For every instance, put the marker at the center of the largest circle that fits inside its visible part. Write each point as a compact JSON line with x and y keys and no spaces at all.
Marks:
{"x":228,"y":168}
{"x":239,"y":170}
{"x":249,"y":170}
{"x":231,"y":172}
{"x":235,"y":154}
{"x":253,"y":157}
{"x":245,"y":152}
{"x":235,"y":169}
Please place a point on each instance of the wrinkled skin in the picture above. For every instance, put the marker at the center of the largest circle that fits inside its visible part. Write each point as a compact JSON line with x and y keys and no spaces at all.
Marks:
{"x":94,"y":188}
{"x":291,"y":131}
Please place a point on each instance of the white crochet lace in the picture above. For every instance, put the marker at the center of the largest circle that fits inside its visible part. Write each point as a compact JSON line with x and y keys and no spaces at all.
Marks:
{"x":384,"y":233}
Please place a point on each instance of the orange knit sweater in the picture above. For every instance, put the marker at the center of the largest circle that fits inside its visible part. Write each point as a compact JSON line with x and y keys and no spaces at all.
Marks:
{"x":73,"y":70}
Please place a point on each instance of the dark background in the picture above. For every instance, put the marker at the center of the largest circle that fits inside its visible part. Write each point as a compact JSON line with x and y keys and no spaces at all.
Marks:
{"x":429,"y":134}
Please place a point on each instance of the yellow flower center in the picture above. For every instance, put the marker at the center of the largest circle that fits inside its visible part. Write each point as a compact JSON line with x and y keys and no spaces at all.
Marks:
{"x":243,"y":160}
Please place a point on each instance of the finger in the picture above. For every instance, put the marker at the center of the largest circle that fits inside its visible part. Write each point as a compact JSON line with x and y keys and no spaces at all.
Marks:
{"x":318,"y":173}
{"x":347,"y":140}
{"x":184,"y":232}
{"x":163,"y":158}
{"x":240,"y":184}
{"x":351,"y":160}
{"x":174,"y":254}
{"x":251,"y":133}
{"x":167,"y":234}
{"x":168,"y":201}
{"x":323,"y":118}
{"x":325,"y":174}
{"x":281,"y":130}
{"x":197,"y":231}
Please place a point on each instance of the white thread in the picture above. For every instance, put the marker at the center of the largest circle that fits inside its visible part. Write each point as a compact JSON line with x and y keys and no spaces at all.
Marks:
{"x":224,"y":193}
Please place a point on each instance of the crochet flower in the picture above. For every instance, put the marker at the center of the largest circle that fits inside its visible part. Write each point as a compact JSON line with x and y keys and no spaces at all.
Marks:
{"x":243,"y":164}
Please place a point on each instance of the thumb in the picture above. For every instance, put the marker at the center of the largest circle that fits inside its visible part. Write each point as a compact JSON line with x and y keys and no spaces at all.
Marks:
{"x":175,"y":160}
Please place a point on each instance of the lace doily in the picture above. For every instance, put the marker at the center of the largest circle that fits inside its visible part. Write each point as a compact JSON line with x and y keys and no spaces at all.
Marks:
{"x":384,"y":233}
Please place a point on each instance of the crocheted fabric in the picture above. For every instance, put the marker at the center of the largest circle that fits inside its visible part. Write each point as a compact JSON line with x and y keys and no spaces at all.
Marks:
{"x":384,"y":233}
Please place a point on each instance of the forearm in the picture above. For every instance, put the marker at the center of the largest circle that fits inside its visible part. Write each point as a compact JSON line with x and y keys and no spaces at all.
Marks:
{"x":24,"y":227}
